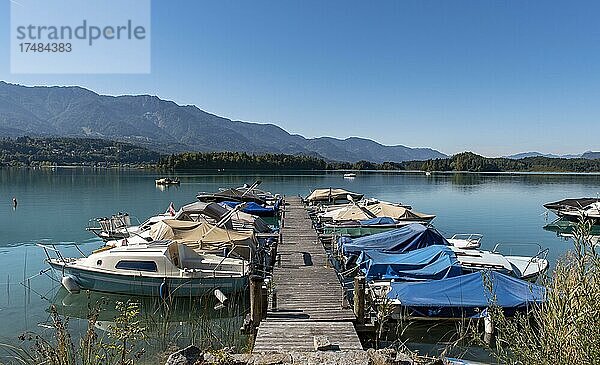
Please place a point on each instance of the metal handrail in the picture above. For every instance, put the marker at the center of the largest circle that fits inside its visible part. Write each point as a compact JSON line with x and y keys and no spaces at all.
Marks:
{"x":53,"y":248}
{"x":469,"y":236}
{"x":495,"y":249}
{"x":538,"y":255}
{"x":542,"y":253}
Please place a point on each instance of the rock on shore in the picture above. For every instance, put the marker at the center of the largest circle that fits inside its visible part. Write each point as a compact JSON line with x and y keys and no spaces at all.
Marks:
{"x":192,"y":355}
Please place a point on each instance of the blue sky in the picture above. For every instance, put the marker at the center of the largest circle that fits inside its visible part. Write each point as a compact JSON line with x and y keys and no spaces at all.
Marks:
{"x":494,"y":77}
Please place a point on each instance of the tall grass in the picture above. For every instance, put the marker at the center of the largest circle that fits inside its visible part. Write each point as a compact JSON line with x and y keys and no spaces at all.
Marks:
{"x":62,"y":349}
{"x":566,"y":328}
{"x":140,"y":331}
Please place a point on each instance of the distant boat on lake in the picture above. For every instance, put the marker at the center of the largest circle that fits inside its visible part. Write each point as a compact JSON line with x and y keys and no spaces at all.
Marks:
{"x":167,"y":181}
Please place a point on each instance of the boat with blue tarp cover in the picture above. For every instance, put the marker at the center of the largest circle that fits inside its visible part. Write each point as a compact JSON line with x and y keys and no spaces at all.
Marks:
{"x":464,"y":296}
{"x":255,"y":209}
{"x":428,"y":263}
{"x":376,"y":221}
{"x":364,"y":227}
{"x":417,"y":237}
{"x":404,"y":239}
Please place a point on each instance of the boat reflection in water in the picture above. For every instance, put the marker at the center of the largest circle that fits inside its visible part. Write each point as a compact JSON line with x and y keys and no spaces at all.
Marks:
{"x":175,"y":322}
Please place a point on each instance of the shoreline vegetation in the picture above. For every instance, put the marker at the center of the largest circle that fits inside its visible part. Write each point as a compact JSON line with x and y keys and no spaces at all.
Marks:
{"x":91,"y":152}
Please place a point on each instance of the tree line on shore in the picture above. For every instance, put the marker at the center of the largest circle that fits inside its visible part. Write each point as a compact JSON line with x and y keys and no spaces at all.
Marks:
{"x":268,"y":161}
{"x":27,"y":151}
{"x":466,"y":161}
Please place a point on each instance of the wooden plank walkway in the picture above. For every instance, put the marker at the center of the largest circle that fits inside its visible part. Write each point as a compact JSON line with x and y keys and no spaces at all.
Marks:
{"x":309,"y":294}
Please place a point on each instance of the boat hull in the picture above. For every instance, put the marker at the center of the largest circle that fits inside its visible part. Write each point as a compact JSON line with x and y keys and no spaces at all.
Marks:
{"x":136,"y":284}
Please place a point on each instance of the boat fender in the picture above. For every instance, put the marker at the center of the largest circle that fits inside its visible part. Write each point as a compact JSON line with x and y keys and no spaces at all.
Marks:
{"x":220,"y":296}
{"x":70,"y":283}
{"x":163,"y":290}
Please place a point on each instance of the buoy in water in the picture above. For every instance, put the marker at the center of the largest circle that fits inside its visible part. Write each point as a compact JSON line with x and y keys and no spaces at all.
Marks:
{"x":70,"y":284}
{"x":14,"y":202}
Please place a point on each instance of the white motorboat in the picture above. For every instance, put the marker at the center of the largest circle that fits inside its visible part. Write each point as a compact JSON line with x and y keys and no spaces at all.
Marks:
{"x":522,"y":267}
{"x":576,"y":209}
{"x":466,"y":240}
{"x":162,"y":268}
{"x":589,"y":212}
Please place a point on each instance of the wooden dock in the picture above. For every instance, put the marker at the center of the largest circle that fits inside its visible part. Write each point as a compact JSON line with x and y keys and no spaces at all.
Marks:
{"x":309,"y":295}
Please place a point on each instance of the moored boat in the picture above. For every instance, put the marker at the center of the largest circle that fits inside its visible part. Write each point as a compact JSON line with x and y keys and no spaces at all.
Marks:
{"x":162,"y":268}
{"x":461,"y":297}
{"x":167,"y":181}
{"x":331,"y":196}
{"x":576,"y":209}
{"x":359,"y":211}
{"x":244,"y":194}
{"x":119,"y":226}
{"x":391,"y":245}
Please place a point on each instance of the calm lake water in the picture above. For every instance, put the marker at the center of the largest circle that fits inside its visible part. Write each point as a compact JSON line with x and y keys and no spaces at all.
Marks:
{"x":54,"y":206}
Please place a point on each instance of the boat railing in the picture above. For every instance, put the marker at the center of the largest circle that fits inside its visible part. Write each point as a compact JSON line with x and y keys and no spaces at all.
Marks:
{"x":52,"y":248}
{"x":520,"y":245}
{"x":216,"y":268}
{"x":472,"y":237}
{"x":57,"y":254}
{"x":117,"y":223}
{"x":541,"y":254}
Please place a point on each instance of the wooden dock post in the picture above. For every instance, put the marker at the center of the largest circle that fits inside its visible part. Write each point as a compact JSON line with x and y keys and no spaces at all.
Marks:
{"x":256,"y":300}
{"x":274,"y":300}
{"x":359,"y":298}
{"x":264,"y":302}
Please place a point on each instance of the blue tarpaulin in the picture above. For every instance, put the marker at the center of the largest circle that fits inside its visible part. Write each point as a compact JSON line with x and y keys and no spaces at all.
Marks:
{"x":466,"y":295}
{"x":400,"y":240}
{"x":252,"y":208}
{"x":377,"y":221}
{"x":428,"y":263}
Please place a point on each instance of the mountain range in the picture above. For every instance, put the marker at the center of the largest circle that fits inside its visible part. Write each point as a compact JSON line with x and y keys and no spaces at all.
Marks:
{"x":165,"y":126}
{"x":587,"y":155}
